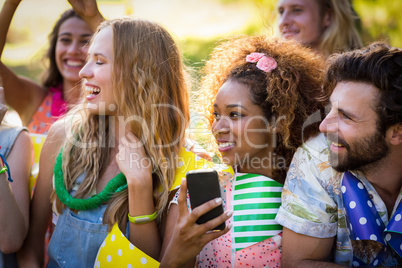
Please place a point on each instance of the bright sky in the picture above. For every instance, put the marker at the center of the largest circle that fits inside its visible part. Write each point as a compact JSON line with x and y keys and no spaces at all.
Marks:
{"x":202,"y":18}
{"x":34,"y":20}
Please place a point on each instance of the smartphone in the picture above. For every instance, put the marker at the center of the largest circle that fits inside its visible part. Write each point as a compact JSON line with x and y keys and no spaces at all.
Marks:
{"x":203,"y":185}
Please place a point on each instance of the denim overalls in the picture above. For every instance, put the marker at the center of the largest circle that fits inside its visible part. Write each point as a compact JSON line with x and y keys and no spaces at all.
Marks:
{"x":77,"y":236}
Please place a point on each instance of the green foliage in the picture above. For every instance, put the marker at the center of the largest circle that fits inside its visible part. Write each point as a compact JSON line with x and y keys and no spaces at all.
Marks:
{"x":29,"y":71}
{"x":380,"y":20}
{"x":196,"y":50}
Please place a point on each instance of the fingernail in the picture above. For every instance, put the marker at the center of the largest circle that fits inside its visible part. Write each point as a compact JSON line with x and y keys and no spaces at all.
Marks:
{"x":229,"y":213}
{"x":218,"y":200}
{"x":230,"y":226}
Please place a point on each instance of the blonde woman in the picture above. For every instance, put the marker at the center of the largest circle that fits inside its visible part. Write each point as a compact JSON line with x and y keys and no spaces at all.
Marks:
{"x":112,"y":156}
{"x":327,"y":26}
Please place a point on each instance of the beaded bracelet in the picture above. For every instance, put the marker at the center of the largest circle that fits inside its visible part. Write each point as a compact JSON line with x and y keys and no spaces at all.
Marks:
{"x":6,"y":168}
{"x":143,"y":219}
{"x":3,"y":170}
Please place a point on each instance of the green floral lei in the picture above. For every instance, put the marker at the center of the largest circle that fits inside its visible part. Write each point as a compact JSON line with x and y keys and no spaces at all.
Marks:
{"x":115,"y":185}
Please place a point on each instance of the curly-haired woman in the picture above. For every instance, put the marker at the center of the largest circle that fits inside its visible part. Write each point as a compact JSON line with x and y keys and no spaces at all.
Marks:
{"x":258,"y":94}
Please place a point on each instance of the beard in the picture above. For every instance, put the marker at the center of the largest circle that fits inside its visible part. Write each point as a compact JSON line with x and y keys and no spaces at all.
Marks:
{"x":360,"y":154}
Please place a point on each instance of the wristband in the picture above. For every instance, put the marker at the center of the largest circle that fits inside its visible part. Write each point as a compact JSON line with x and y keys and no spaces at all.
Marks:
{"x":3,"y":170}
{"x":6,"y":168}
{"x":143,"y":219}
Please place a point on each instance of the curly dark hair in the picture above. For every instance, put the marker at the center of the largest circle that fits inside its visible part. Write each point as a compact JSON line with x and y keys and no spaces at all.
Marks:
{"x":378,"y":64}
{"x":289,"y":91}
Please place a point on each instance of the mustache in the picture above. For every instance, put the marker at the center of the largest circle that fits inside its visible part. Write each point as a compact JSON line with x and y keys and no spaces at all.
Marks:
{"x":337,"y":139}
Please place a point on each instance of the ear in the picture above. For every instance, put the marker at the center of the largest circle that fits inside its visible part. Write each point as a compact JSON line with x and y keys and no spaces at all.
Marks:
{"x":327,"y":20}
{"x":395,"y":134}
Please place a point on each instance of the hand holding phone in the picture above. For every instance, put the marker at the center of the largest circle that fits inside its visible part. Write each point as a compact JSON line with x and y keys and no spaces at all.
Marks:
{"x":203,"y":186}
{"x":185,"y":237}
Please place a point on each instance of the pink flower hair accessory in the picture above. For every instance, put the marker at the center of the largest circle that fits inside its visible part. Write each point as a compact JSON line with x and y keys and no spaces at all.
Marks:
{"x":264,"y":63}
{"x":254,"y":57}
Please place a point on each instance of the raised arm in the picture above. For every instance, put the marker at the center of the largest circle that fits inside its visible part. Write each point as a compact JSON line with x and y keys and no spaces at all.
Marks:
{"x":308,"y":209}
{"x":7,"y":13}
{"x":14,"y":202}
{"x":3,"y":107}
{"x":140,"y":194}
{"x":22,"y":94}
{"x":88,"y":11}
{"x":32,"y":252}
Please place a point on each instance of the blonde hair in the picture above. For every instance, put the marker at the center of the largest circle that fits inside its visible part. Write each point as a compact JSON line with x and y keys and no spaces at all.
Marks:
{"x":341,"y":35}
{"x":149,"y":83}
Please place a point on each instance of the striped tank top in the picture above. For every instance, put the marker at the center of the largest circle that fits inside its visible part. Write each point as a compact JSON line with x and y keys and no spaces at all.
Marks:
{"x":256,"y":200}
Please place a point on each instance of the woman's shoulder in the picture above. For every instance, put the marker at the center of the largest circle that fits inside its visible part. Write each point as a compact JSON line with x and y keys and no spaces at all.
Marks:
{"x":55,"y":139}
{"x":57,"y":131}
{"x":11,"y":130}
{"x":8,"y":136}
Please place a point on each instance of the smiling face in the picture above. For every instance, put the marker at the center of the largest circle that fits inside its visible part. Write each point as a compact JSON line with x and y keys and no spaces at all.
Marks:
{"x":71,"y":48}
{"x":98,"y":74}
{"x":352,"y":127}
{"x":302,"y":21}
{"x":240,"y":128}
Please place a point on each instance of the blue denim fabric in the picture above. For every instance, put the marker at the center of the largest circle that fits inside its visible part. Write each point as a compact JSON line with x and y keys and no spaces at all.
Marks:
{"x":77,"y":238}
{"x":8,"y":260}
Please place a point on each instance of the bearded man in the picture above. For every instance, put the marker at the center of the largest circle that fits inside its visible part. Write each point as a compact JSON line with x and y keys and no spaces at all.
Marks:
{"x":341,"y":199}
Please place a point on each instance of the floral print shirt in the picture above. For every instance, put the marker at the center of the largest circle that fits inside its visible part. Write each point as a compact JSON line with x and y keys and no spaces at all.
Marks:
{"x":312,"y":200}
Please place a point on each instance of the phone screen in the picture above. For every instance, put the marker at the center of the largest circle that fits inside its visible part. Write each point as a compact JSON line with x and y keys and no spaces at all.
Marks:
{"x":203,"y":185}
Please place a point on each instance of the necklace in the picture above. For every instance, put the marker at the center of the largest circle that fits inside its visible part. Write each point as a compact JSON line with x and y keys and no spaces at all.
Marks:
{"x":117,"y":184}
